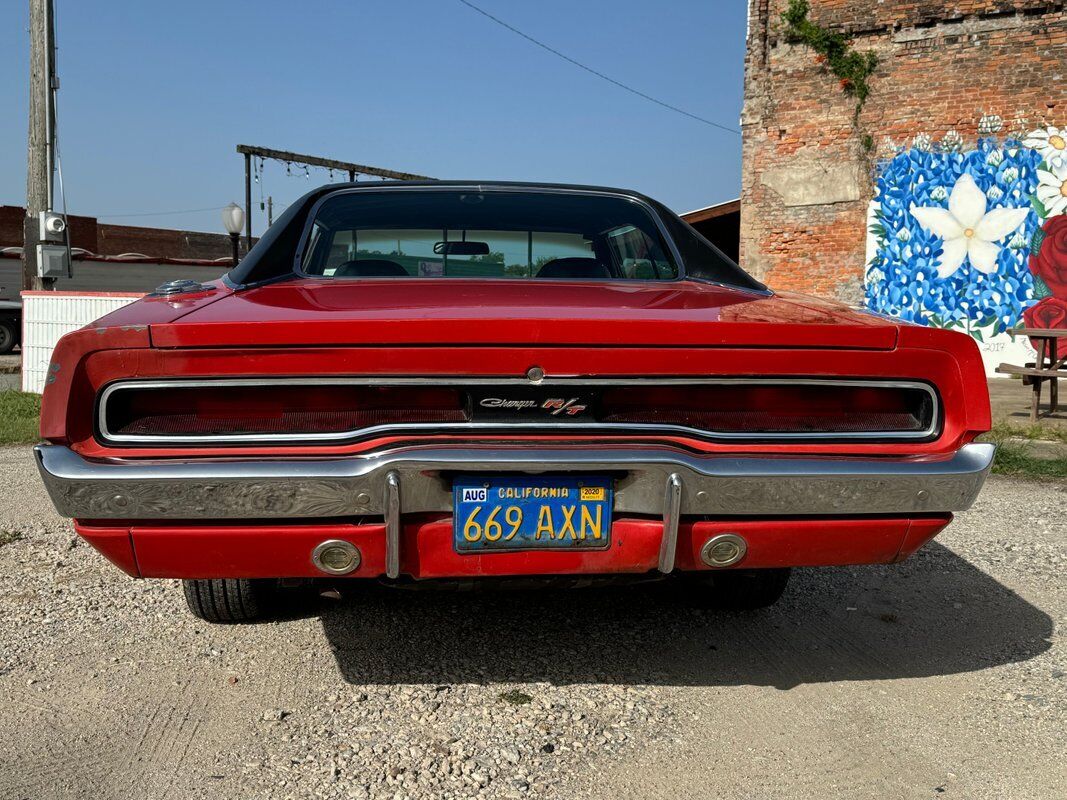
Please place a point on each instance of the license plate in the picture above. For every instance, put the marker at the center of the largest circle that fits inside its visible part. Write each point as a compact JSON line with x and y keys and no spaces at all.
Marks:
{"x":531,"y":512}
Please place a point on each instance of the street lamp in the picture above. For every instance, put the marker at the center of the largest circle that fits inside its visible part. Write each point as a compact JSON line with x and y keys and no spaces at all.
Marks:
{"x":233,"y":220}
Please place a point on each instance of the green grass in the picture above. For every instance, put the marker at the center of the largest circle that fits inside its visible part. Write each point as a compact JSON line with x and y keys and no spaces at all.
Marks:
{"x":7,"y":537}
{"x":19,"y":417}
{"x":1014,"y":457}
{"x":515,"y":698}
{"x":1034,"y":432}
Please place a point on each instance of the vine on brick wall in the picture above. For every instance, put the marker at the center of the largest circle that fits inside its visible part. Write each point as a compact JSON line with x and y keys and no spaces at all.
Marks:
{"x":852,"y":68}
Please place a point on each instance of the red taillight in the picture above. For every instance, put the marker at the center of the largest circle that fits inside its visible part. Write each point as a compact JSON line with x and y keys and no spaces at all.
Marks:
{"x":774,"y":408}
{"x":273,"y":409}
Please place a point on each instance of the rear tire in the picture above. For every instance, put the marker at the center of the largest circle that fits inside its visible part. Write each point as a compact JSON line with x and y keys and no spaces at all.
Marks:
{"x":231,"y":600}
{"x":739,"y":589}
{"x":8,"y":339}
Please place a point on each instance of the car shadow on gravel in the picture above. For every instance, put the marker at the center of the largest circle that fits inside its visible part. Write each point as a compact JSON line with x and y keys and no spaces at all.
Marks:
{"x":933,"y":615}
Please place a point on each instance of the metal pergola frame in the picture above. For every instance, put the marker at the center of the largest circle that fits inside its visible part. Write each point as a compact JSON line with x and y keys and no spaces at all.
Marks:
{"x":353,"y":169}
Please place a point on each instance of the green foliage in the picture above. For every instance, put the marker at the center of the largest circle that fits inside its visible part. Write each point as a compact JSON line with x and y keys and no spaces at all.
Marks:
{"x":1041,"y":290}
{"x":852,"y":68}
{"x":1039,"y":234}
{"x":19,"y":417}
{"x":515,"y":698}
{"x":1014,"y":456}
{"x":1014,"y":459}
{"x":7,"y":537}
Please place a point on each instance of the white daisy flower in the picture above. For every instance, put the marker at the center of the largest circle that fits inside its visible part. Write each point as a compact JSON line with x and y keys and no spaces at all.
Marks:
{"x":968,"y":230}
{"x":1052,"y":188}
{"x":1050,"y":143}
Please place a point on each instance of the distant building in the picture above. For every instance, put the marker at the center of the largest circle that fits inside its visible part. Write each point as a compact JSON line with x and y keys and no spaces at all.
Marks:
{"x":720,"y":224}
{"x":117,"y":258}
{"x":112,"y":240}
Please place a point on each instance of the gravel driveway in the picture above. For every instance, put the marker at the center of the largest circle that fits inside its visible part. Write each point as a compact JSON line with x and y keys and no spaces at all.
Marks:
{"x":943,"y":677}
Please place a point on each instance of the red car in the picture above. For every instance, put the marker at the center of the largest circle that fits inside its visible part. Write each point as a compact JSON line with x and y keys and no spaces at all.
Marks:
{"x":449,"y":380}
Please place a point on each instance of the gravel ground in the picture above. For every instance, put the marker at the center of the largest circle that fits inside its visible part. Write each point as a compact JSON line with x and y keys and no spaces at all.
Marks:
{"x":942,"y":677}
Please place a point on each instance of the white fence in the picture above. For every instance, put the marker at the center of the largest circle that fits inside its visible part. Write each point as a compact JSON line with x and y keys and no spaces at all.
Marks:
{"x":46,"y":316}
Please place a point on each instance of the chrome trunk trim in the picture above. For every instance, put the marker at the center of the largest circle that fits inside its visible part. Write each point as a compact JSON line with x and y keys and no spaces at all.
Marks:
{"x":715,"y":485}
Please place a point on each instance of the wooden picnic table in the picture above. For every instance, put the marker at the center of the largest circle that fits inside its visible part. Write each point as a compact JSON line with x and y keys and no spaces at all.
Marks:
{"x":1050,"y":365}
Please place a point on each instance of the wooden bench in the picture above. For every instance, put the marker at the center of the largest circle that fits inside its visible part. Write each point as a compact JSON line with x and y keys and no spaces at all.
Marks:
{"x":1050,"y":366}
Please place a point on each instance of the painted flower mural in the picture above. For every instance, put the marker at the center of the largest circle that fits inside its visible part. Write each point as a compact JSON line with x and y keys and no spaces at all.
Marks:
{"x":1048,"y":259}
{"x":972,"y":238}
{"x":1052,"y":189}
{"x":967,"y":229}
{"x":1050,"y":144}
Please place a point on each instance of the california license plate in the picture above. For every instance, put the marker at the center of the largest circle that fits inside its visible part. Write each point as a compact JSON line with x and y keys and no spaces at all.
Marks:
{"x":531,"y":512}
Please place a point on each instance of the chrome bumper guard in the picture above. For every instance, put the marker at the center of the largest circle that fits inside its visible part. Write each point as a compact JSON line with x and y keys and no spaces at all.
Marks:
{"x":653,"y":480}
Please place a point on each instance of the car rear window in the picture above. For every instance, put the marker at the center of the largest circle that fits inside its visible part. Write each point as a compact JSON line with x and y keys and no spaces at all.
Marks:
{"x":477,"y":233}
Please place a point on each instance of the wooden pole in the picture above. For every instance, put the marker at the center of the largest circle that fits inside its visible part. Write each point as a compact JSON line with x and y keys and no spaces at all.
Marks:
{"x":39,"y":138}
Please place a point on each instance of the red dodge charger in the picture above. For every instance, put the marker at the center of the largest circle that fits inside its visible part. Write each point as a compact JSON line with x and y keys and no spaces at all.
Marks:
{"x":454,"y":380}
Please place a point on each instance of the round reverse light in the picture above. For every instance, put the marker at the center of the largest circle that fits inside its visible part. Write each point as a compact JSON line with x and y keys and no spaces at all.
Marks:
{"x":723,"y":550}
{"x":335,"y":557}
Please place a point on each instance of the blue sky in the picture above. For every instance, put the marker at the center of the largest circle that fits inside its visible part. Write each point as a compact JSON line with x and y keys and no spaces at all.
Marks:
{"x":154,"y":97}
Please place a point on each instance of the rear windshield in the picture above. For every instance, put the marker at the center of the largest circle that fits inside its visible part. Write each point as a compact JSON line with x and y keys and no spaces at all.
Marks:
{"x":484,"y":234}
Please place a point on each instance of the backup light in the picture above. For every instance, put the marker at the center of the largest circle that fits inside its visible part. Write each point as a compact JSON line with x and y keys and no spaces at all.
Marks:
{"x":336,"y":557}
{"x":723,"y":550}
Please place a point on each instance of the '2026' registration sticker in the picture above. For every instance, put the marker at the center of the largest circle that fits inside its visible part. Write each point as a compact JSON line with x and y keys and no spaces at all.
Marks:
{"x":527,"y":512}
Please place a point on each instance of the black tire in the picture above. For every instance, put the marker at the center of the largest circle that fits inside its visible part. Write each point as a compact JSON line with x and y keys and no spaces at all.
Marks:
{"x":8,"y":339}
{"x":738,"y":589}
{"x":230,"y":600}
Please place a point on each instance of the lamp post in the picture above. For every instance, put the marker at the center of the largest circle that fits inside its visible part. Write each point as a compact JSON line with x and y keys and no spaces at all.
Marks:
{"x":233,"y":220}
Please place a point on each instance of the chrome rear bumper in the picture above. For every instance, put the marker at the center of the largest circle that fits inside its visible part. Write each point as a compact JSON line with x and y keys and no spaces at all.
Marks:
{"x":717,"y":485}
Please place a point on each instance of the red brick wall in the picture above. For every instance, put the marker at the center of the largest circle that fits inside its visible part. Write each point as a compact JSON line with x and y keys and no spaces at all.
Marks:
{"x":807,"y":177}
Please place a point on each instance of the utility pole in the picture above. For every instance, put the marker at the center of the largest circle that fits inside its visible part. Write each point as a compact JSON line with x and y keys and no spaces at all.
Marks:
{"x":41,"y":138}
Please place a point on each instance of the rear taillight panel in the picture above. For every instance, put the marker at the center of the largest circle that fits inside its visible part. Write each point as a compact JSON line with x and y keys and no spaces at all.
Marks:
{"x":136,"y":412}
{"x":294,"y":410}
{"x":798,"y":408}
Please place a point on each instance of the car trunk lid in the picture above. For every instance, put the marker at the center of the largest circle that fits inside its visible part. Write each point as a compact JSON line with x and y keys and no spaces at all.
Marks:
{"x":476,"y":312}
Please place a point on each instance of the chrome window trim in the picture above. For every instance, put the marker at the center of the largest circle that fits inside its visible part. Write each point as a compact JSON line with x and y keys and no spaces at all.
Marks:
{"x":616,"y":428}
{"x":298,"y":258}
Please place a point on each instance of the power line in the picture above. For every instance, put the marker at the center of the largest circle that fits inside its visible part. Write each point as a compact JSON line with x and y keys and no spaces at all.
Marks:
{"x":592,"y":71}
{"x":159,"y":213}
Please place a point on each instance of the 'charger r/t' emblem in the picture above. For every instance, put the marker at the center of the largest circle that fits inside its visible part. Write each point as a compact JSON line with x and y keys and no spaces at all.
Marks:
{"x":560,"y":406}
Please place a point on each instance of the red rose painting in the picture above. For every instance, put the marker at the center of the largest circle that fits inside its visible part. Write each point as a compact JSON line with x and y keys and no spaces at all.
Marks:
{"x":1049,"y":313}
{"x":1050,"y":261}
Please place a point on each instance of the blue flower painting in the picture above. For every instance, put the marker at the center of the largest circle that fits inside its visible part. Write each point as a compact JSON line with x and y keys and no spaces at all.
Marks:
{"x":951,"y":231}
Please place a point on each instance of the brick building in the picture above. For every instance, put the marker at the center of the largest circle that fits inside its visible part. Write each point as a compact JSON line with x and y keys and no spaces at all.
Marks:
{"x":949,"y":74}
{"x":112,"y":240}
